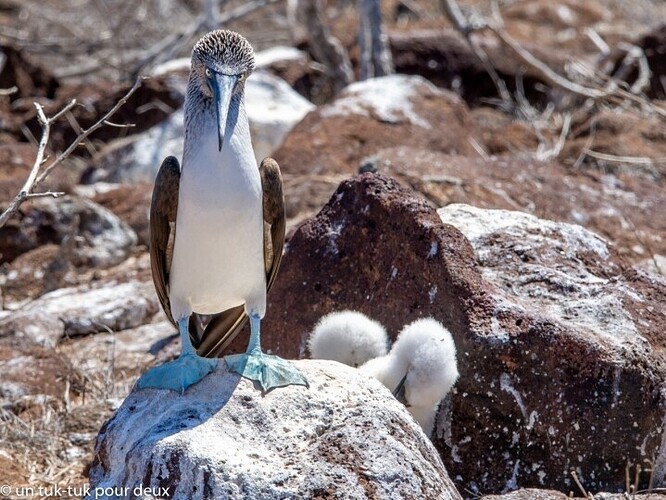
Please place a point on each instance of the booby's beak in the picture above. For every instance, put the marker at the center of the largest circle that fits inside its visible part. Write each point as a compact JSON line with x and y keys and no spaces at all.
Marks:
{"x":223,"y":89}
{"x":399,"y":392}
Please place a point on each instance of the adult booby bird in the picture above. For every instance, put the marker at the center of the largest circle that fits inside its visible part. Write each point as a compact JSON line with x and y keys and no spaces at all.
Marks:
{"x":348,"y":337}
{"x":420,"y":369}
{"x":212,"y":258}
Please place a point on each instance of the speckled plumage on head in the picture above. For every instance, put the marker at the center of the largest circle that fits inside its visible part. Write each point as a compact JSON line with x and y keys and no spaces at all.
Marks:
{"x":225,"y":51}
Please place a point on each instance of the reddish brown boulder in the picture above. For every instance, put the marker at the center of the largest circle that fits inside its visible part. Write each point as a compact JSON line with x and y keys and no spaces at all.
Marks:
{"x":373,"y":248}
{"x":374,"y":114}
{"x":620,"y":206}
{"x":574,"y":361}
{"x":560,"y":345}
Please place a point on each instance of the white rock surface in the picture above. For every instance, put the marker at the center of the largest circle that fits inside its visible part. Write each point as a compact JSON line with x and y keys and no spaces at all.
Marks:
{"x":82,"y":310}
{"x":277,"y":54}
{"x":555,"y":279}
{"x":389,"y":98}
{"x":344,"y":437}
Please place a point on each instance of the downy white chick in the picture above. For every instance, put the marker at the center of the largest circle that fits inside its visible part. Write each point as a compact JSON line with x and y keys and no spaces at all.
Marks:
{"x":348,"y":337}
{"x":420,"y":369}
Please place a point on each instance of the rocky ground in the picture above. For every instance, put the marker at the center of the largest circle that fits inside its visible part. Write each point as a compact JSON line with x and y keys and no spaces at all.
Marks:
{"x":546,"y":258}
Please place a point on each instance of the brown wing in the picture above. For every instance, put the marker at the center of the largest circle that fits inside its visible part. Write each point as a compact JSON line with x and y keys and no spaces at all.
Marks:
{"x":224,"y":327}
{"x":163,"y":209}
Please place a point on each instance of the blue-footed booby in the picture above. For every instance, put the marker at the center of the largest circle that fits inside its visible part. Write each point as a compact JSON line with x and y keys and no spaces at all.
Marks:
{"x":217,"y":226}
{"x":420,"y":369}
{"x":348,"y":337}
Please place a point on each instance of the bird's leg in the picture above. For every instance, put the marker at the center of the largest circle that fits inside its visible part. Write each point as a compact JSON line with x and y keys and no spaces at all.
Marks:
{"x":183,"y":372}
{"x":269,"y":371}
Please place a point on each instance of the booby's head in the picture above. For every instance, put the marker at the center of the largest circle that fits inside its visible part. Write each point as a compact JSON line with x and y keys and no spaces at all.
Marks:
{"x":221,"y":62}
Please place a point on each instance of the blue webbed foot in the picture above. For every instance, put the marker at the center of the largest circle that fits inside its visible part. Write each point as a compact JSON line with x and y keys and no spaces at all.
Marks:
{"x":269,"y":371}
{"x":179,"y":374}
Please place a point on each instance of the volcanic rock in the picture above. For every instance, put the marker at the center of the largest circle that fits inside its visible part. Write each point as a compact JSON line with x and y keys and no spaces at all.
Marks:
{"x":344,"y":437}
{"x":371,"y":115}
{"x":560,"y":343}
{"x":570,"y":370}
{"x":98,"y":238}
{"x":620,"y":206}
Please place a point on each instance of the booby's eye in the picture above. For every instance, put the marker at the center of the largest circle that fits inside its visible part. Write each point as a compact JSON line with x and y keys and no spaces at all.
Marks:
{"x":209,"y":73}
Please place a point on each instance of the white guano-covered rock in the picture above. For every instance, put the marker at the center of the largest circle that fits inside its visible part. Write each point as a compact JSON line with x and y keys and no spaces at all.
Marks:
{"x":344,"y":437}
{"x":389,"y":98}
{"x":80,"y":311}
{"x":559,"y":276}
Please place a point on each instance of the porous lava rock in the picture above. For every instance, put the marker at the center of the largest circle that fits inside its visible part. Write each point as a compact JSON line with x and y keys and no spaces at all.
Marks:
{"x":343,"y":437}
{"x":560,"y":343}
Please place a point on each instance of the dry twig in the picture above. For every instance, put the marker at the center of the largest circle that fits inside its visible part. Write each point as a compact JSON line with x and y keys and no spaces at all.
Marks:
{"x":466,"y":29}
{"x":141,"y":60}
{"x":376,"y":59}
{"x":35,"y":178}
{"x":325,"y":47}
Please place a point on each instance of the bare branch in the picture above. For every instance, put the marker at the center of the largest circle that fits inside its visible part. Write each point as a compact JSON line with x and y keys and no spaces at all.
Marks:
{"x":376,"y":59}
{"x":635,"y":56}
{"x":84,"y":135}
{"x":9,"y":91}
{"x":635,"y":160}
{"x":45,"y":194}
{"x":466,"y":29}
{"x":542,"y":68}
{"x":33,"y":179}
{"x":325,"y":47}
{"x":545,"y":155}
{"x":139,"y":61}
{"x":596,"y":39}
{"x":119,"y":125}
